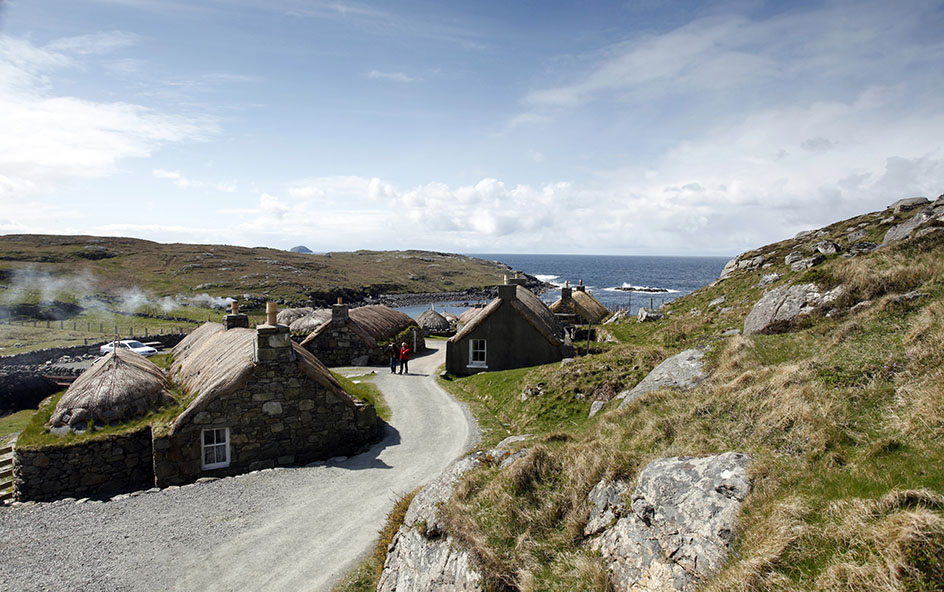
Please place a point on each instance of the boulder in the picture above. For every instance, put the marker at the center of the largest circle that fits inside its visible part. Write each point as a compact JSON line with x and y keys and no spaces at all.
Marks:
{"x":780,"y":306}
{"x":717,"y":301}
{"x":767,"y":279}
{"x":860,"y":247}
{"x":826,"y":247}
{"x":606,"y":497}
{"x":807,"y":263}
{"x":680,"y":526}
{"x":856,"y":235}
{"x":421,"y":557}
{"x":792,"y":258}
{"x":646,"y":315}
{"x":739,"y":264}
{"x":904,"y":230}
{"x":909,"y":203}
{"x":681,"y":371}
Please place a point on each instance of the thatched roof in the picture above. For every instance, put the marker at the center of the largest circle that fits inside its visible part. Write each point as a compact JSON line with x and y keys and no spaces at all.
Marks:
{"x":310,"y":321}
{"x":381,"y":322}
{"x":119,"y":386}
{"x":433,"y":321}
{"x":467,"y":315}
{"x":585,"y":305}
{"x":373,"y":324}
{"x":288,"y":316}
{"x":213,"y":362}
{"x":450,"y":317}
{"x":526,"y":304}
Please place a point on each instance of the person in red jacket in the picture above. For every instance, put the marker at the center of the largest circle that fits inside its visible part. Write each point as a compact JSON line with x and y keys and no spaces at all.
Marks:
{"x":404,"y":358}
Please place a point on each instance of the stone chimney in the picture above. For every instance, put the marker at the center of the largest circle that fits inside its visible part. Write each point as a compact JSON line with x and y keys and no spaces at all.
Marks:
{"x":340,"y":313}
{"x":273,"y":341}
{"x":566,"y":294}
{"x":517,"y":280}
{"x":508,"y":290}
{"x":581,"y":287}
{"x":234,"y":319}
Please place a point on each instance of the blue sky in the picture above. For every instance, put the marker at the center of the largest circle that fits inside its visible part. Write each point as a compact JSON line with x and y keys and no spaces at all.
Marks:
{"x":533,"y":127}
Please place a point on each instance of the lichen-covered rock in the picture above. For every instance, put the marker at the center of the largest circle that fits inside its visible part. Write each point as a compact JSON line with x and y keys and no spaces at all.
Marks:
{"x":422,"y":558}
{"x":681,"y":524}
{"x":416,"y":563}
{"x":826,"y":247}
{"x":904,"y":230}
{"x":807,"y":263}
{"x":607,"y":500}
{"x":681,"y":371}
{"x":778,"y":307}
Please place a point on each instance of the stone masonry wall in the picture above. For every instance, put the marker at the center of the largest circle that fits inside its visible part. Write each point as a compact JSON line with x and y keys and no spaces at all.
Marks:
{"x":280,"y":417}
{"x":340,"y":346}
{"x":89,"y":469}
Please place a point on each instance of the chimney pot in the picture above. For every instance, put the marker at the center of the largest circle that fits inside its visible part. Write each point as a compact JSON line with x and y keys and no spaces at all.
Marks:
{"x":272,"y":312}
{"x":234,"y":307}
{"x":340,"y":300}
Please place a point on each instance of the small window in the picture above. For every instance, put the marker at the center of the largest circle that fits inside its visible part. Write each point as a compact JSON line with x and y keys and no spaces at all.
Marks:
{"x":216,"y":448}
{"x":477,"y":353}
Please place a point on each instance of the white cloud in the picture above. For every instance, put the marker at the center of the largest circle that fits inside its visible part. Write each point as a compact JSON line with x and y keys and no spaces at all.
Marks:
{"x":393,"y":76}
{"x":93,"y":43}
{"x":186,"y":183}
{"x":49,"y":140}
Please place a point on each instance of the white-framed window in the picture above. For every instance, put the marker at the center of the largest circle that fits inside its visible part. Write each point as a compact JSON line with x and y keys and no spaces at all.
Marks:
{"x":477,"y":353}
{"x":215,"y":448}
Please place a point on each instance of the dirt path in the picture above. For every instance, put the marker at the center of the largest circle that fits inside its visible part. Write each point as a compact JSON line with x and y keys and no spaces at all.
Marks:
{"x":283,"y":529}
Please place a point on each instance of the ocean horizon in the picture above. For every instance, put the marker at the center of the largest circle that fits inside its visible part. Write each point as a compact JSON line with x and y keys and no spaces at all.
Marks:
{"x":620,"y":282}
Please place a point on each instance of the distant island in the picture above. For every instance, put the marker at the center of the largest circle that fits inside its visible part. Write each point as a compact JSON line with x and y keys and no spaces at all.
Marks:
{"x":644,"y":289}
{"x":301,"y":249}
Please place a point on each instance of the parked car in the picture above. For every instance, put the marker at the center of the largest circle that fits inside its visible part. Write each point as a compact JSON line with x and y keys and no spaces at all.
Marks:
{"x":129,"y":344}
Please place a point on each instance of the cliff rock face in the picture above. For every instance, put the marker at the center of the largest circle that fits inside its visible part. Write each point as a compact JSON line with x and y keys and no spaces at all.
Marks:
{"x":679,"y":527}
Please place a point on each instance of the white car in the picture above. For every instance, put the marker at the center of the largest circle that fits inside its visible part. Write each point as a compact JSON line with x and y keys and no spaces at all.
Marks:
{"x":129,"y":344}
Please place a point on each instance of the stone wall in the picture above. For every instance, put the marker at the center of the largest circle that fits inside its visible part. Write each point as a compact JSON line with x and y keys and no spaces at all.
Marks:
{"x":89,"y":469}
{"x":41,"y":356}
{"x":280,"y":416}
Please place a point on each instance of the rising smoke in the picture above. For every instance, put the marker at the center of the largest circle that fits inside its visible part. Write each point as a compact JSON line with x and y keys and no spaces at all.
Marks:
{"x":30,"y":284}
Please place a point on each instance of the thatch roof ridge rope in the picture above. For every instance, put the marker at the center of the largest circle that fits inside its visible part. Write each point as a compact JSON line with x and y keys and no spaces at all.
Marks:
{"x":119,"y":386}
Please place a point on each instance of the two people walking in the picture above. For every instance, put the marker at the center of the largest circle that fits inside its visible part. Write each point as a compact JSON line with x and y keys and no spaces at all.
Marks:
{"x":399,"y":355}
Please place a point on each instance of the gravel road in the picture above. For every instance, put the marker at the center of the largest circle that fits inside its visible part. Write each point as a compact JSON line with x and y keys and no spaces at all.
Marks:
{"x":279,"y":529}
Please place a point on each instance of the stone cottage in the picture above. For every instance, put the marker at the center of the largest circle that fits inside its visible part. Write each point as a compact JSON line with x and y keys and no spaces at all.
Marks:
{"x":357,"y":337}
{"x":258,"y":400}
{"x":514,"y":330}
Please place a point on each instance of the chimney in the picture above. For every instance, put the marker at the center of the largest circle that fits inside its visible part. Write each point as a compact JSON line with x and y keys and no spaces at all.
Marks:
{"x":581,"y":287}
{"x":566,"y":294}
{"x":273,"y":341}
{"x":508,"y":290}
{"x":234,"y":319}
{"x":339,"y":313}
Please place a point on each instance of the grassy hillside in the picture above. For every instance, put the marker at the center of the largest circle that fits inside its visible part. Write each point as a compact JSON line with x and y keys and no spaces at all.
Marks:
{"x":842,"y":413}
{"x":111,"y":266}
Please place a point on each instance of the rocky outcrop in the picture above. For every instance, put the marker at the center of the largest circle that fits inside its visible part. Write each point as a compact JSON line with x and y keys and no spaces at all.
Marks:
{"x":807,"y":263}
{"x":679,"y":528}
{"x":826,"y":247}
{"x":681,"y":371}
{"x":909,"y":203}
{"x":904,"y":230}
{"x":422,"y":557}
{"x":739,"y":264}
{"x":779,"y":307}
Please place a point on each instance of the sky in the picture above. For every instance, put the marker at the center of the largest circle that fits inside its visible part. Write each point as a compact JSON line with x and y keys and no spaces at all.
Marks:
{"x":586,"y":127}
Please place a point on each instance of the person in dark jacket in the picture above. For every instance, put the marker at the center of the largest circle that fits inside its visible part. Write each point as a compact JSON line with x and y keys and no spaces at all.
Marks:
{"x":393,"y":352}
{"x":404,"y":358}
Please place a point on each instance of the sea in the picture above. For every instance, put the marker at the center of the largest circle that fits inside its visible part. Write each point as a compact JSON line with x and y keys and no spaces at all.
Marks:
{"x":619,"y":282}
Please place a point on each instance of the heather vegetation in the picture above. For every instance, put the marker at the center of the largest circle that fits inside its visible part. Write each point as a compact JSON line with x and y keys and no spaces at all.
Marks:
{"x":840,"y":411}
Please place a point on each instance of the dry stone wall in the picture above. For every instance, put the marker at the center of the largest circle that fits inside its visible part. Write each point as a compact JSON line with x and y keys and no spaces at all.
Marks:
{"x":89,"y":469}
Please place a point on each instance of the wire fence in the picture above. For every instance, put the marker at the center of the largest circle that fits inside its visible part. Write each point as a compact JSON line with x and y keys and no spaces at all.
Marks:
{"x":101,"y":327}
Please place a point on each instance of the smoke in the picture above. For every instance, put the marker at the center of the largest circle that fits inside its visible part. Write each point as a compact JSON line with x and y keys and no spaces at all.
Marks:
{"x":27,"y":283}
{"x":30,"y":284}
